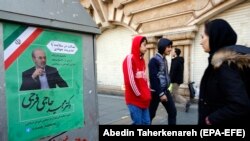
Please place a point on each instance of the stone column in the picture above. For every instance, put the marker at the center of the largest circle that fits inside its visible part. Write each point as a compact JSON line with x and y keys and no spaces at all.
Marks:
{"x":152,"y":46}
{"x":186,"y":55}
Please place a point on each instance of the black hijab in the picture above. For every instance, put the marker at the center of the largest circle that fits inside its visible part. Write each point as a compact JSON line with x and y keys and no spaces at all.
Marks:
{"x":220,"y":34}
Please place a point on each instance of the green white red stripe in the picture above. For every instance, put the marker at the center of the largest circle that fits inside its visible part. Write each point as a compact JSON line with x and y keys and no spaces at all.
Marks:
{"x":18,"y":45}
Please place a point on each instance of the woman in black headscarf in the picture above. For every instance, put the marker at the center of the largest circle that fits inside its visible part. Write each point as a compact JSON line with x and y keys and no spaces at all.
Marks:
{"x":225,"y":85}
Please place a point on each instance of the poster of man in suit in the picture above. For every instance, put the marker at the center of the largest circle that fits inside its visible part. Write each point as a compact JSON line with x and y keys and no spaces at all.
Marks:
{"x":44,"y":81}
{"x":41,"y":76}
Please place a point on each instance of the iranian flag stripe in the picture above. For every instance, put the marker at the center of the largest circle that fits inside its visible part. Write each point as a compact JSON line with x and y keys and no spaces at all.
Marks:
{"x":19,"y":45}
{"x":13,"y":36}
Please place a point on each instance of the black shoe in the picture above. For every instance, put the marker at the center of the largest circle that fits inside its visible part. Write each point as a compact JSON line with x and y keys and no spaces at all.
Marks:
{"x":188,"y":104}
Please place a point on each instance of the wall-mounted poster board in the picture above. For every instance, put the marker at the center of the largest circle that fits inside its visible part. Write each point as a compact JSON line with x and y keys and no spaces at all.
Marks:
{"x":44,"y":81}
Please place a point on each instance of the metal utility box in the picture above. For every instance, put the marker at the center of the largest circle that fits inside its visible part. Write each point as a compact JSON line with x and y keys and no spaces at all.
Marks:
{"x":47,"y":71}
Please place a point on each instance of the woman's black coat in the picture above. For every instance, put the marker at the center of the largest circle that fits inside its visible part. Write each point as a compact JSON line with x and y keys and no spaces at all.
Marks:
{"x":225,"y":88}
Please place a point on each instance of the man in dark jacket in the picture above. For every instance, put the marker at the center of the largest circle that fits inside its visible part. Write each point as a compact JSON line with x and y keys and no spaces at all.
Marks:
{"x":160,"y":81}
{"x":41,"y":76}
{"x":176,"y":75}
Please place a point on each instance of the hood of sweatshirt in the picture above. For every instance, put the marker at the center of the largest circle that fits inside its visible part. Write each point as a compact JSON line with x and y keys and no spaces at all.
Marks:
{"x":162,"y":44}
{"x":135,"y":50}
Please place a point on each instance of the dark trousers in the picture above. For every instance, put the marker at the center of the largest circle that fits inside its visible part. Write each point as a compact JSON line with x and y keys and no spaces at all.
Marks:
{"x":169,"y":106}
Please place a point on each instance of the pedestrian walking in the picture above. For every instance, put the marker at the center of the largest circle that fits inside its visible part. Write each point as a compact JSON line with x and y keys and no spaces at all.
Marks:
{"x":137,"y":91}
{"x":176,"y":75}
{"x":160,"y":81}
{"x":225,"y":85}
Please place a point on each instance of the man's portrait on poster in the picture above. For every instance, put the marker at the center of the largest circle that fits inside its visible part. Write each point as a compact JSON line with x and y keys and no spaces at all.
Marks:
{"x":41,"y":76}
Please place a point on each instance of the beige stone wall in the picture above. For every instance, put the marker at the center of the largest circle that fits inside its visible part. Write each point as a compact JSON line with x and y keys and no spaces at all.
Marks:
{"x":150,"y":16}
{"x":112,"y":47}
{"x":238,"y":16}
{"x":178,"y":20}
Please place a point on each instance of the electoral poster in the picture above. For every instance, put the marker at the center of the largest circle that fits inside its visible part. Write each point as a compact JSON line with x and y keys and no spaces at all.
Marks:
{"x":44,"y":81}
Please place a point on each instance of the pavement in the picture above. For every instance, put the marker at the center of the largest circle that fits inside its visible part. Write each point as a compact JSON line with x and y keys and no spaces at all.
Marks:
{"x":113,"y":111}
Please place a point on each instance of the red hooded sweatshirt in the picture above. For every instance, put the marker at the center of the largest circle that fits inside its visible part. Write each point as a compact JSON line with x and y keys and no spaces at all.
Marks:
{"x":137,"y":91}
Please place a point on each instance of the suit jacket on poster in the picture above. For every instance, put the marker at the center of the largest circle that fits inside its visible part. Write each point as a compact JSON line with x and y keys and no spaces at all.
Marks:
{"x":53,"y":77}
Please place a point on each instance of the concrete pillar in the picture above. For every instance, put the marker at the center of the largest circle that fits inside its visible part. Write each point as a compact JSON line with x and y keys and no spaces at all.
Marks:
{"x":186,"y":55}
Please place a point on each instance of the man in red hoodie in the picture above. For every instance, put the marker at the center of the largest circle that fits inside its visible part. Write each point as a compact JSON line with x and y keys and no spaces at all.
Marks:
{"x":137,"y":91}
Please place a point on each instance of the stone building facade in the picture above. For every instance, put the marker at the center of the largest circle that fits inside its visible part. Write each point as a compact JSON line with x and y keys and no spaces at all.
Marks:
{"x":179,"y":20}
